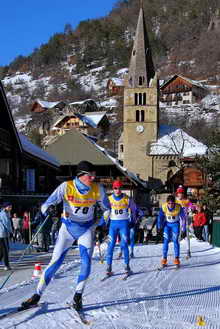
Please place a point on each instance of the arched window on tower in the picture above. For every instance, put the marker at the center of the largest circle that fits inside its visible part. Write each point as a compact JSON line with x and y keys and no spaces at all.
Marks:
{"x":140,"y":81}
{"x":140,"y":99}
{"x":142,"y":115}
{"x":136,"y":99}
{"x":144,"y":99}
{"x":137,"y":116}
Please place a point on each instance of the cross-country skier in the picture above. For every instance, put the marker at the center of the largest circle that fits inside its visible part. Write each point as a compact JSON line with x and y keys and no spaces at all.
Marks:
{"x":187,"y":206}
{"x":79,"y":197}
{"x":122,"y":217}
{"x":132,"y":233}
{"x":170,"y":217}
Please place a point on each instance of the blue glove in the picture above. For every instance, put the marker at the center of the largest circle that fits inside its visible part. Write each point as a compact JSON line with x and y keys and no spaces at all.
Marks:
{"x":131,"y":224}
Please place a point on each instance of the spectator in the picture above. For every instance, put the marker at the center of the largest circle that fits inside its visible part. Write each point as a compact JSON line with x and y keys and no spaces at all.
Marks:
{"x":199,"y":220}
{"x":17,"y":225}
{"x":5,"y":232}
{"x":26,"y":227}
{"x":208,"y":227}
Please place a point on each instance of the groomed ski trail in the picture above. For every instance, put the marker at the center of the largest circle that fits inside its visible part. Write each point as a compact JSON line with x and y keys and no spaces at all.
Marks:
{"x":167,"y":299}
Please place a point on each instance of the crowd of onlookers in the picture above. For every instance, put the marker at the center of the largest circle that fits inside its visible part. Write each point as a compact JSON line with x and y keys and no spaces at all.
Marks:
{"x":201,"y":224}
{"x":16,"y":228}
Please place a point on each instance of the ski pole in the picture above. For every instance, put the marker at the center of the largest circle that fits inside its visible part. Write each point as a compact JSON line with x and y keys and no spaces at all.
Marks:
{"x":188,"y":239}
{"x":21,"y":257}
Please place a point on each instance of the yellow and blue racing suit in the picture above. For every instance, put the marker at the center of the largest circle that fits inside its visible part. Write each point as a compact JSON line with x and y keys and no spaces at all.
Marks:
{"x":169,"y":219}
{"x":121,"y":209}
{"x":77,"y":224}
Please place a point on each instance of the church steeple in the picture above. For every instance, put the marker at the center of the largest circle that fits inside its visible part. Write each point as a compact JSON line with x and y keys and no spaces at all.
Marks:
{"x":141,"y":69}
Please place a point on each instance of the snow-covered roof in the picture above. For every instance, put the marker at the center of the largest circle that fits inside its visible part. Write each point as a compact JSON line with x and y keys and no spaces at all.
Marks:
{"x":117,"y":81}
{"x":82,"y":102}
{"x":37,"y":151}
{"x":48,"y":105}
{"x":193,"y":82}
{"x":122,"y":72}
{"x":127,"y":173}
{"x":111,"y":102}
{"x":91,"y":118}
{"x":94,"y":117}
{"x":177,"y":142}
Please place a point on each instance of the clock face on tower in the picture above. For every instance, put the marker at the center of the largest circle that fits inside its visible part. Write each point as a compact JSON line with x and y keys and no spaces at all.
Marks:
{"x":139,"y":129}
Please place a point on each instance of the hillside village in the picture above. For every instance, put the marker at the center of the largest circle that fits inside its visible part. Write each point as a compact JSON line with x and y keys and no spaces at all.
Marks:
{"x":137,"y":123}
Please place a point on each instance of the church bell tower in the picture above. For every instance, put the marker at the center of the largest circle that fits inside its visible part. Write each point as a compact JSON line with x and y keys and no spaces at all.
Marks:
{"x":140,"y":104}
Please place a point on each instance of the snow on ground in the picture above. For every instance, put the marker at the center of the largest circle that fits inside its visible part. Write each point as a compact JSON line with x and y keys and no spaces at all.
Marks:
{"x":154,"y":299}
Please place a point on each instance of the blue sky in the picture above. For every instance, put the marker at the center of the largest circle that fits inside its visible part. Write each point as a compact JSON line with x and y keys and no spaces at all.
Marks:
{"x":26,"y":24}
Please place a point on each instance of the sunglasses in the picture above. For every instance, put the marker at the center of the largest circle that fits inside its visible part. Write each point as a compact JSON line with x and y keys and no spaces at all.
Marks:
{"x":90,"y":174}
{"x":116,"y":188}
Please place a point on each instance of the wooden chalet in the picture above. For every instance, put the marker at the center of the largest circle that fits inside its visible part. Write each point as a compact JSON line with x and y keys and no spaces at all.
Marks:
{"x":192,"y":178}
{"x":26,"y":171}
{"x":180,"y":90}
{"x":115,"y":87}
{"x":86,"y":123}
{"x":40,"y":106}
{"x":87,"y":105}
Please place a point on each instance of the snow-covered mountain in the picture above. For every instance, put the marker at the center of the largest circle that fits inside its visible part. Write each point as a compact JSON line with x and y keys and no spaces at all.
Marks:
{"x":22,"y":89}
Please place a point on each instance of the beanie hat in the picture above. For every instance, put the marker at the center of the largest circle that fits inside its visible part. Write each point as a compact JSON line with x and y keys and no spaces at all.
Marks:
{"x":84,"y":167}
{"x":117,"y":183}
{"x":180,"y":189}
{"x":6,"y":204}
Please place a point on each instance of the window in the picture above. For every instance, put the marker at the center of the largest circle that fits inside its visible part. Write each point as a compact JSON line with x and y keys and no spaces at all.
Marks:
{"x":136,"y":99}
{"x":121,"y":148}
{"x":134,"y":52}
{"x":140,"y":99}
{"x":142,"y":115}
{"x":140,"y":81}
{"x":137,"y":116}
{"x":144,"y":98}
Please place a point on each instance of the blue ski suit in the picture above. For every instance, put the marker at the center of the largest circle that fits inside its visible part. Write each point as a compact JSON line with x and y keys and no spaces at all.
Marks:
{"x":78,"y":223}
{"x":169,"y":220}
{"x":121,"y":207}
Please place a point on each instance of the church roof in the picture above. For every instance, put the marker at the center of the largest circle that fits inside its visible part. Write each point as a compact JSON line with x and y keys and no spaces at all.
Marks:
{"x":174,"y":141}
{"x":141,"y":62}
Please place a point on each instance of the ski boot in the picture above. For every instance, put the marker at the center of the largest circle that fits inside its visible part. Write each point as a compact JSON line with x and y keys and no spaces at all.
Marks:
{"x":176,"y":262}
{"x":163,"y":263}
{"x":33,"y":300}
{"x":77,"y":301}
{"x":109,"y":270}
{"x":127,"y":269}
